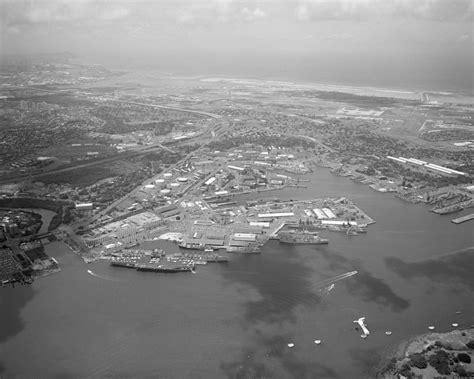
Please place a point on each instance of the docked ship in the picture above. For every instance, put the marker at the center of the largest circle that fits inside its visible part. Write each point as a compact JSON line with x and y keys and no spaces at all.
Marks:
{"x":165,"y":268}
{"x":122,"y":263}
{"x":301,"y":237}
{"x":191,"y":245}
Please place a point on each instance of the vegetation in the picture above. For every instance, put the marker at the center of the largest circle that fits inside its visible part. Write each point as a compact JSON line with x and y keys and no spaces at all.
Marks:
{"x":440,"y":362}
{"x":61,"y":208}
{"x":418,"y":360}
{"x":79,"y":177}
{"x":461,"y":371}
{"x":464,"y":358}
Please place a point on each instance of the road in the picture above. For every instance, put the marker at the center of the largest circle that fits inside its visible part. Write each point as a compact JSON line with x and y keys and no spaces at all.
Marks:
{"x":213,"y":115}
{"x":103,"y":212}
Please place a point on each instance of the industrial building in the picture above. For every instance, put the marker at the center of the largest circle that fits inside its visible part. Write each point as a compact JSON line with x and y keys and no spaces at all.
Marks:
{"x":84,"y":206}
{"x":319,"y":213}
{"x":430,"y":166}
{"x":329,"y":213}
{"x":338,"y":223}
{"x":209,"y":181}
{"x":249,"y":237}
{"x":275,"y":215}
{"x":235,"y":168}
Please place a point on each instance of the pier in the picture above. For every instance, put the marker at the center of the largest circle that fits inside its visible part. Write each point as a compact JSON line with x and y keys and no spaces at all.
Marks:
{"x":462,"y":219}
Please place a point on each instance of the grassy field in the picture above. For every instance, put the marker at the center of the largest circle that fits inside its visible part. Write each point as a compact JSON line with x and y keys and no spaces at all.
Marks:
{"x":80,"y":177}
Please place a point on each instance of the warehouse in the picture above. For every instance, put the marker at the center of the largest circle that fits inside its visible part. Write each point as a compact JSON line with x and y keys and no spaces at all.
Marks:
{"x":340,"y":223}
{"x":209,"y":181}
{"x":236,"y":168}
{"x":319,"y":213}
{"x":84,"y":206}
{"x":277,"y":215}
{"x":238,"y":243}
{"x":260,"y":224}
{"x":329,"y":213}
{"x":244,"y":237}
{"x":213,"y":242}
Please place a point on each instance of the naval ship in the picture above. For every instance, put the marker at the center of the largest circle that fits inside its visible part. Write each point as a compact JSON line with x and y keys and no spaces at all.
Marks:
{"x":301,"y":237}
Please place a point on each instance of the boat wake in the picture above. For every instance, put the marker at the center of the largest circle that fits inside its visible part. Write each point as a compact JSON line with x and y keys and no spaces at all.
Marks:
{"x":327,"y":289}
{"x":100,"y":276}
{"x":325,"y":284}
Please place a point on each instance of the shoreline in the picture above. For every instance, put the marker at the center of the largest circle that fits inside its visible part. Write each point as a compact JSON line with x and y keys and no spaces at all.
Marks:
{"x":427,"y":344}
{"x":386,"y":91}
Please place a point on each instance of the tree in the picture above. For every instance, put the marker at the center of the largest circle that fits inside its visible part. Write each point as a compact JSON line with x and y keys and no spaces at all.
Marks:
{"x":440,"y":362}
{"x":464,"y":358}
{"x":418,"y":360}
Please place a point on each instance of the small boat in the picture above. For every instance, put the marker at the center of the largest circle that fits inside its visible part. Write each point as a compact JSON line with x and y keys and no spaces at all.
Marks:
{"x":388,"y":333}
{"x":291,"y":345}
{"x":455,"y":324}
{"x":431,"y":327}
{"x":317,"y":342}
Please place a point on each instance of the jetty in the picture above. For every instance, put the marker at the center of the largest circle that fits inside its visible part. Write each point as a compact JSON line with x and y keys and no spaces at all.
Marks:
{"x":462,"y":219}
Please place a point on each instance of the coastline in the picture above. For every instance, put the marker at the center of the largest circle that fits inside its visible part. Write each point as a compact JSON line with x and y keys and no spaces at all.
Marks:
{"x":397,"y":93}
{"x":402,"y":93}
{"x":401,"y":361}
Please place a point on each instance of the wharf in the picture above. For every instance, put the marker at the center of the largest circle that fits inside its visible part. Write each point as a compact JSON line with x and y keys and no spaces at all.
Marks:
{"x":274,"y":234}
{"x":454,"y":207}
{"x":462,"y":219}
{"x":206,"y":257}
{"x":159,"y":262}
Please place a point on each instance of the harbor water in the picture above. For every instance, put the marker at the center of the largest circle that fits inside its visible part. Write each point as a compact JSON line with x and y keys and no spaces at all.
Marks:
{"x":236,"y":319}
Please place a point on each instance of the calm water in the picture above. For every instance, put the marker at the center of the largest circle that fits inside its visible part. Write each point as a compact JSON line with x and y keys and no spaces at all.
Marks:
{"x":234,"y":320}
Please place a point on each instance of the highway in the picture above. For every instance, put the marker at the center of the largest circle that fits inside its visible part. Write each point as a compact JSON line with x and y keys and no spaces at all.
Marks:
{"x":216,"y":116}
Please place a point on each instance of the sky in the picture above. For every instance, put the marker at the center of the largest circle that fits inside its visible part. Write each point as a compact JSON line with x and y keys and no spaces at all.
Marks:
{"x":418,"y":42}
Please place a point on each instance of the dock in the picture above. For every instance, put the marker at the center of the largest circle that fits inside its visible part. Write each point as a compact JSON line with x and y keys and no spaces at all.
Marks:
{"x":159,"y":261}
{"x":462,"y":219}
{"x":274,"y":234}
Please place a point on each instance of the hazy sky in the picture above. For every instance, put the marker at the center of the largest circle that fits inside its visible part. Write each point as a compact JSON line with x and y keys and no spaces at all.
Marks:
{"x":432,"y":38}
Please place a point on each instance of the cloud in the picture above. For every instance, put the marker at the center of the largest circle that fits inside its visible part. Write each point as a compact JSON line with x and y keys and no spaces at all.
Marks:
{"x":13,"y":30}
{"x":302,"y":13}
{"x":250,"y":15}
{"x":221,"y":11}
{"x":441,"y":10}
{"x":37,"y":12}
{"x":113,"y":13}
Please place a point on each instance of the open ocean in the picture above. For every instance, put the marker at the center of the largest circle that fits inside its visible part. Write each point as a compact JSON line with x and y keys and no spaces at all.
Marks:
{"x":441,"y":76}
{"x":235,"y":320}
